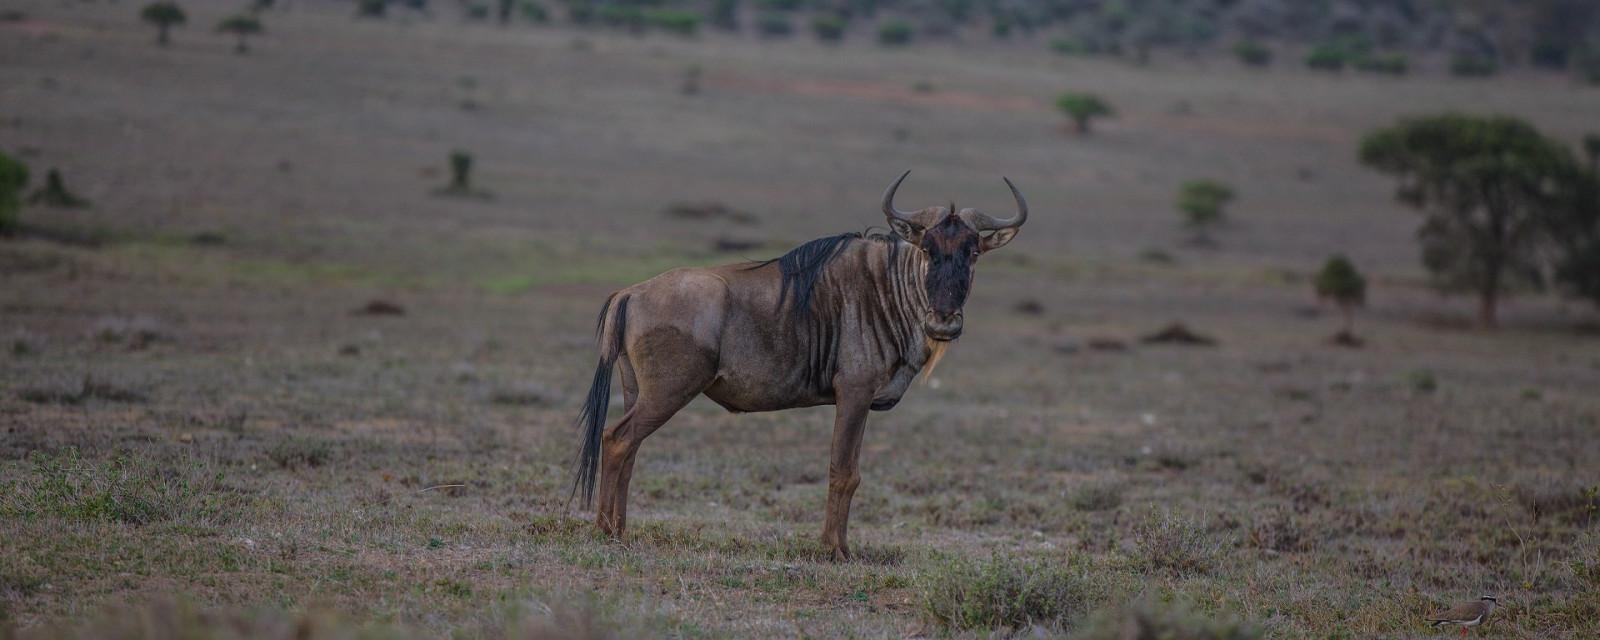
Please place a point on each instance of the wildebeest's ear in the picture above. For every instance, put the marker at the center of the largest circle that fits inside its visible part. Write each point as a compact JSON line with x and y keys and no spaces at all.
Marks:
{"x":909,"y":232}
{"x":998,"y":239}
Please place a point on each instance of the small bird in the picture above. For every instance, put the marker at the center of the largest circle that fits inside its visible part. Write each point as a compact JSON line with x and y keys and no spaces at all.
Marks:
{"x":1470,"y":614}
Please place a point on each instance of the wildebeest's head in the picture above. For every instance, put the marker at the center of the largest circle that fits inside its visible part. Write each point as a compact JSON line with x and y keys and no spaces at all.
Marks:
{"x":952,"y":244}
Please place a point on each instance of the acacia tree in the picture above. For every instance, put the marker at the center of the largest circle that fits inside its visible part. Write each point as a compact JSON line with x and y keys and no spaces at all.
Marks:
{"x":1574,"y":227}
{"x":1201,"y":202}
{"x":1081,"y":107}
{"x":1480,"y":183}
{"x":163,"y":15}
{"x":1339,"y":282}
{"x":243,"y":26}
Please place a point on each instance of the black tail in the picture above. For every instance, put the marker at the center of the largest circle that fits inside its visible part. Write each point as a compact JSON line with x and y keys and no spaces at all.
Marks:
{"x":592,"y":422}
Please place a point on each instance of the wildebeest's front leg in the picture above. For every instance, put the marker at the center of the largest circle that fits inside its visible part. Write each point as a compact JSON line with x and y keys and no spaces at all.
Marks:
{"x":844,"y":467}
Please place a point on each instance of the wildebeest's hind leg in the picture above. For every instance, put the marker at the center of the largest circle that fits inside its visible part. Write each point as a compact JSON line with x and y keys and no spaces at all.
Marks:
{"x":661,"y":388}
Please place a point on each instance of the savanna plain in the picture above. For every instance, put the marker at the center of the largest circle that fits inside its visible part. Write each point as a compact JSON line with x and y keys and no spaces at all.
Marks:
{"x":275,"y":381}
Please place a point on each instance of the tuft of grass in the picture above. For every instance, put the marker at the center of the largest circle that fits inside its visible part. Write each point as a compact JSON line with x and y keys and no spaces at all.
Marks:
{"x":1171,"y":542}
{"x":1279,"y":530}
{"x":295,"y":452}
{"x":80,"y":390}
{"x":1420,"y":380}
{"x":1003,"y":591}
{"x":1154,"y":620}
{"x":1096,"y":495}
{"x":124,"y":488}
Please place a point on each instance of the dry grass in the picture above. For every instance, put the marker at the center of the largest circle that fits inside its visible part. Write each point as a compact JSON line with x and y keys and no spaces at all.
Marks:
{"x":190,"y":406}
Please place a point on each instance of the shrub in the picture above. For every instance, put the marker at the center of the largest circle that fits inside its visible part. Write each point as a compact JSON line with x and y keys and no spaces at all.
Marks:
{"x":781,"y":5}
{"x":1003,"y":591}
{"x":372,"y":8}
{"x":1068,"y":46}
{"x":1394,"y":65}
{"x":125,"y":488}
{"x":1471,"y":65}
{"x":13,"y":179}
{"x":1252,"y":53}
{"x":1326,"y":57}
{"x":1170,"y":542}
{"x":894,"y":33}
{"x":684,"y":22}
{"x":533,"y":11}
{"x":54,"y":193}
{"x":620,"y":15}
{"x":828,"y":27}
{"x":1550,"y":54}
{"x":774,"y":24}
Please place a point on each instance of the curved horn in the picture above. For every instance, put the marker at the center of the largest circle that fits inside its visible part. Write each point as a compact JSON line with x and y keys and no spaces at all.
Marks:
{"x":888,"y":203}
{"x":984,"y":222}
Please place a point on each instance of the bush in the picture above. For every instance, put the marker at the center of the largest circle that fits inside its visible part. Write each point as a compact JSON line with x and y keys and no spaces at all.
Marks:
{"x":1252,"y":53}
{"x":372,"y":8}
{"x":13,"y":179}
{"x":618,"y":15}
{"x":774,"y":24}
{"x":1470,"y":65}
{"x":1170,"y":542}
{"x":781,"y":5}
{"x":533,"y":11}
{"x":1395,"y":65}
{"x":684,"y":22}
{"x":828,"y":27}
{"x":1003,"y":591}
{"x":894,"y":33}
{"x":1095,"y":496}
{"x":1326,"y":57}
{"x":1550,"y":54}
{"x":1068,"y":46}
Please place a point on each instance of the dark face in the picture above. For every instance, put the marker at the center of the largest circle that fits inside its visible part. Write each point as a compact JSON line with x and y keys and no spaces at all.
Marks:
{"x":952,"y":249}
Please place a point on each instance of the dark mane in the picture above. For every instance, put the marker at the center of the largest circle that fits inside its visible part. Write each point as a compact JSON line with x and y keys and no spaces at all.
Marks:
{"x":804,"y":264}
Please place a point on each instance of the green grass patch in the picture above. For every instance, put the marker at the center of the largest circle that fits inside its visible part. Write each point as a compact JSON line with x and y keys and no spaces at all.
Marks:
{"x":124,"y":488}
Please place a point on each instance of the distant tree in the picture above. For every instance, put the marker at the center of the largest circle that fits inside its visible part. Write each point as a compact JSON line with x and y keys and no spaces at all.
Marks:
{"x":163,"y":15}
{"x":1574,"y":228}
{"x":1339,"y":282}
{"x":1480,"y":183}
{"x":774,"y":24}
{"x":460,"y":172}
{"x":894,"y":32}
{"x":533,"y":11}
{"x":503,"y":10}
{"x":372,"y":8}
{"x":242,"y":26}
{"x":54,"y":193}
{"x":1082,"y":107}
{"x":1202,"y":202}
{"x":1252,"y":53}
{"x":13,"y":179}
{"x":725,"y":14}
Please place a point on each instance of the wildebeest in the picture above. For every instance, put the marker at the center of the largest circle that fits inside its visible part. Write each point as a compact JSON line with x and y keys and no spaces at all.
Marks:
{"x":847,"y":320}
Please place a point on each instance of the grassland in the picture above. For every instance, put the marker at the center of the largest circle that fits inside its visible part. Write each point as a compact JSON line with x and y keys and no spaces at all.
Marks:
{"x":201,"y":418}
